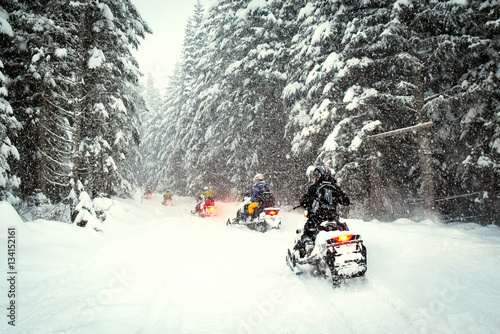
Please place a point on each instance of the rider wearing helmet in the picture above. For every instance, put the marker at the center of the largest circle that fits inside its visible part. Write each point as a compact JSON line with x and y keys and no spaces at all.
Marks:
{"x":259,"y":187}
{"x":316,"y":213}
{"x":149,"y":188}
{"x":167,"y":195}
{"x":207,"y":192}
{"x":321,"y":175}
{"x":206,"y":195}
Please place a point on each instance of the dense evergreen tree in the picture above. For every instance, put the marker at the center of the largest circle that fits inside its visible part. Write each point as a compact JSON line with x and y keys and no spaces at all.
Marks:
{"x":314,"y":57}
{"x":184,"y":126}
{"x":262,"y":86}
{"x":73,"y":88}
{"x":359,"y":80}
{"x":458,"y":44}
{"x":338,"y":72}
{"x":146,"y":164}
{"x":202,"y":115}
{"x":166,"y":137}
{"x":42,"y":97}
{"x":106,"y":120}
{"x":9,"y":126}
{"x":228,"y":111}
{"x":255,"y":79}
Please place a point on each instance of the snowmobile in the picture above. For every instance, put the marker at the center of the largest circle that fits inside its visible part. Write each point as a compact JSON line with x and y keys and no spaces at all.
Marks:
{"x":167,"y":201}
{"x":263,"y":220}
{"x":336,"y":254}
{"x":206,"y":208}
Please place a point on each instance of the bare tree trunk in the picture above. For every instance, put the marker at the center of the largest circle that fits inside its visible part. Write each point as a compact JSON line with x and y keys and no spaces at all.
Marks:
{"x":78,"y":114}
{"x":41,"y":181}
{"x":375,"y":181}
{"x":493,"y":201}
{"x":428,"y":191}
{"x":425,"y":153}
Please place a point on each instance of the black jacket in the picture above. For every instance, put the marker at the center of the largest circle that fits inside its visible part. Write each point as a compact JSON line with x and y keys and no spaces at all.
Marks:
{"x":308,"y":198}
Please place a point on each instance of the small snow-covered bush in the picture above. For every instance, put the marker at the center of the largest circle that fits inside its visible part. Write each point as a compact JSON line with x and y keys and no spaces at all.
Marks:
{"x":85,"y":213}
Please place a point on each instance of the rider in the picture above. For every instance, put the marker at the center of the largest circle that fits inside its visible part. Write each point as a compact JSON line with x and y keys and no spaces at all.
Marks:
{"x":259,"y":188}
{"x":317,"y":213}
{"x":206,"y":195}
{"x":207,"y":192}
{"x":167,"y":195}
{"x":149,"y":189}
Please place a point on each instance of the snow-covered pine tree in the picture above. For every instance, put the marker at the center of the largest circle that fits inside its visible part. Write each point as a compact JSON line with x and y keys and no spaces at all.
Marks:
{"x":292,"y":185}
{"x":79,"y":85}
{"x":147,"y":165}
{"x":43,"y":97}
{"x":194,"y":39}
{"x":165,"y":128}
{"x":458,"y":42}
{"x":85,"y":215}
{"x":375,"y":88}
{"x":251,"y":132}
{"x":313,"y":57}
{"x":168,"y":150}
{"x":198,"y":114}
{"x":106,"y":121}
{"x":135,"y":159}
{"x":306,"y":55}
{"x":184,"y":106}
{"x":180,"y":111}
{"x":151,"y":94}
{"x":237,"y":126}
{"x":9,"y":126}
{"x":339,"y":96}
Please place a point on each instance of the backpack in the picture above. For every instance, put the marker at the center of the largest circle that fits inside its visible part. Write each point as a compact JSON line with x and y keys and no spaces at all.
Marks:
{"x":326,"y":200}
{"x":267,"y":199}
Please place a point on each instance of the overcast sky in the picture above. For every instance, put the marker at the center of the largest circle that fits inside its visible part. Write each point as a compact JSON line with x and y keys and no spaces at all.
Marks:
{"x":159,"y":52}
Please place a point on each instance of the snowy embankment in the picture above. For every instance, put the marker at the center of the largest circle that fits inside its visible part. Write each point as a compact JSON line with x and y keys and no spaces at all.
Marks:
{"x":158,"y":269}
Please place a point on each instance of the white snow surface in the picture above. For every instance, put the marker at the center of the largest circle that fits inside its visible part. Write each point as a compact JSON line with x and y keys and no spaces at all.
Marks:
{"x":158,"y":269}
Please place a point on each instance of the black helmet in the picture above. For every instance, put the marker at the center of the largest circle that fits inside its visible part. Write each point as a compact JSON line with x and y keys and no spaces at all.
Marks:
{"x":321,"y":172}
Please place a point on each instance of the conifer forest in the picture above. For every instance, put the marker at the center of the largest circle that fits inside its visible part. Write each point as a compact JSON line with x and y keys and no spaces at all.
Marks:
{"x":401,"y":98}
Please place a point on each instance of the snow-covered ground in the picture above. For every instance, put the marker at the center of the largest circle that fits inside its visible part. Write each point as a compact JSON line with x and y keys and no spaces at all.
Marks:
{"x":158,"y":269}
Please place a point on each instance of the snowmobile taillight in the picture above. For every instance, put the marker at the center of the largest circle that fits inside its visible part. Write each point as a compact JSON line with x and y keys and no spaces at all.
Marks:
{"x":149,"y":195}
{"x":271,"y":211}
{"x":211,"y":208}
{"x":343,"y":238}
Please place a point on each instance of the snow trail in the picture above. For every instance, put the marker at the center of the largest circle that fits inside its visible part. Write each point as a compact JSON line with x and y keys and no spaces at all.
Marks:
{"x":159,"y":269}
